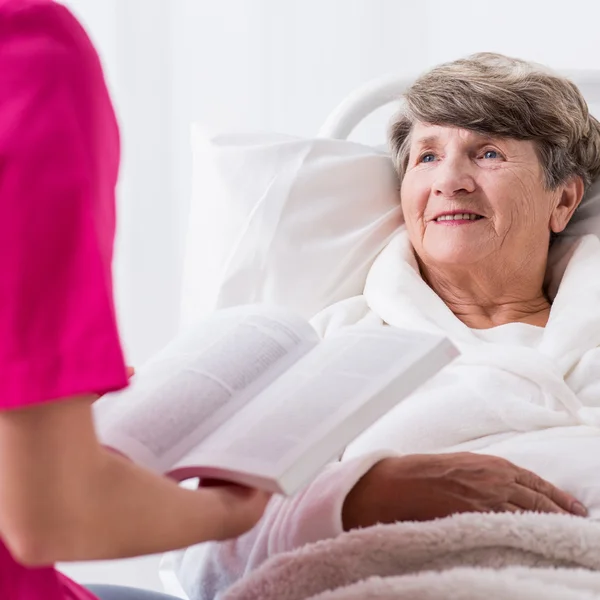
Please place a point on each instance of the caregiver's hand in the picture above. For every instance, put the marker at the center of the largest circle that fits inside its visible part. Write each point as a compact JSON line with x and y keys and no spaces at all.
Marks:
{"x":241,"y":508}
{"x":428,"y":486}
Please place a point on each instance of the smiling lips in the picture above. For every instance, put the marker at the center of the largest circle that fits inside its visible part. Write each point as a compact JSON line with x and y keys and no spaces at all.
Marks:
{"x":457,"y":218}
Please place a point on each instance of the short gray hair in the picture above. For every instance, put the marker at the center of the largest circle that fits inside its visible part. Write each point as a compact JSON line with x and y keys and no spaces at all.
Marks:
{"x":500,"y":96}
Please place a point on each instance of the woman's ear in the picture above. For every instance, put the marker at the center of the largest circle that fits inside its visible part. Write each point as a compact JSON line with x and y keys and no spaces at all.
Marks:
{"x":570,"y":198}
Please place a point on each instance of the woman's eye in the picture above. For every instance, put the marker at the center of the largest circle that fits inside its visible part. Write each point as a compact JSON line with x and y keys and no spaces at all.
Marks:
{"x":490,"y":154}
{"x":427,"y":157}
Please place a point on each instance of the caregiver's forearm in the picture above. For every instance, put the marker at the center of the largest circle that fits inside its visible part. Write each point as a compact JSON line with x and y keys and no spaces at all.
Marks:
{"x":127,"y":511}
{"x":64,"y":497}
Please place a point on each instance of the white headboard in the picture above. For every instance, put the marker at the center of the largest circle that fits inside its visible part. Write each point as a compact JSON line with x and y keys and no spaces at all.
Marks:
{"x":379,"y":92}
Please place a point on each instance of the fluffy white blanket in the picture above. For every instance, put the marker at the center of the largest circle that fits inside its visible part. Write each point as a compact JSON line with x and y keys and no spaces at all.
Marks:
{"x":487,"y":557}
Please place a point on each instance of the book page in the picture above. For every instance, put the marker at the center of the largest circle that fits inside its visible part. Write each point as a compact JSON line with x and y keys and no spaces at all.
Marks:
{"x":199,"y":381}
{"x":315,"y":398}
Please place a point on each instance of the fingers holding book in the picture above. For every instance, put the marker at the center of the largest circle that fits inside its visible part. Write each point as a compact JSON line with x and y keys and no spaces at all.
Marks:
{"x":242,"y":507}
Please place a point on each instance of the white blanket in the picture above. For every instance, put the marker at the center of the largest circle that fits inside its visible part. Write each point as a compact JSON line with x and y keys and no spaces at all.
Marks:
{"x":487,"y":557}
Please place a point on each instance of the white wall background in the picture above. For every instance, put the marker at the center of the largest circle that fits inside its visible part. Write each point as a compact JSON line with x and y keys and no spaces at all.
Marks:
{"x":276,"y":65}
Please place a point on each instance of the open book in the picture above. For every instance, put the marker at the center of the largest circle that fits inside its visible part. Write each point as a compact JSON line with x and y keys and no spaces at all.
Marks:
{"x":253,"y":395}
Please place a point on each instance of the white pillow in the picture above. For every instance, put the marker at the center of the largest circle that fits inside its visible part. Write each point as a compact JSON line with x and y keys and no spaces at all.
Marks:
{"x":285,"y":220}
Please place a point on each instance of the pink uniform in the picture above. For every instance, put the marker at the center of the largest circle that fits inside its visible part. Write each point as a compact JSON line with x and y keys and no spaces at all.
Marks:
{"x":59,"y":158}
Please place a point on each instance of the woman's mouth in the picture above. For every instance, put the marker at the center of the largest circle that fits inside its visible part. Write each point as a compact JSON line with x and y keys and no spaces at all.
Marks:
{"x":458,"y":218}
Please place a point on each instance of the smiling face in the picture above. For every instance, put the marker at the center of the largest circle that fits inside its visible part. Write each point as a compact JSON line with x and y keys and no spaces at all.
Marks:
{"x":467,"y":198}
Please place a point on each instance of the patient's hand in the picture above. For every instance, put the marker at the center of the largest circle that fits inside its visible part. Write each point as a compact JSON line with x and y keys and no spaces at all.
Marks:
{"x":428,"y":486}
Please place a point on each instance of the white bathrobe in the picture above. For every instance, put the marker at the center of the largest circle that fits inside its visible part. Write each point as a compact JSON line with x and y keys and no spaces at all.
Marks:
{"x":529,"y":394}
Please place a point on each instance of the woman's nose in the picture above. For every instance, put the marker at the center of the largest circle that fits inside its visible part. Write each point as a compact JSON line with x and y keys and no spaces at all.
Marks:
{"x":453,"y":177}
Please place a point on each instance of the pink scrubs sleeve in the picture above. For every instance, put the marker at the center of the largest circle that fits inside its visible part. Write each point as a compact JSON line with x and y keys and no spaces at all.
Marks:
{"x":59,"y":157}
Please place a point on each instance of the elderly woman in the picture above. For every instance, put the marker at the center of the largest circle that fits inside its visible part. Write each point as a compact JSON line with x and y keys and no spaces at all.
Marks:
{"x":494,"y":156}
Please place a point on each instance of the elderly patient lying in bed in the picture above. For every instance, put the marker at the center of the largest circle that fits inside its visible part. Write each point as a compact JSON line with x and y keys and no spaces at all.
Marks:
{"x":494,"y":156}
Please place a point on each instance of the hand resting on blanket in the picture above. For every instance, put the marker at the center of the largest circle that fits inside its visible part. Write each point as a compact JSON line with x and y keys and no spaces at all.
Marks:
{"x":429,"y":486}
